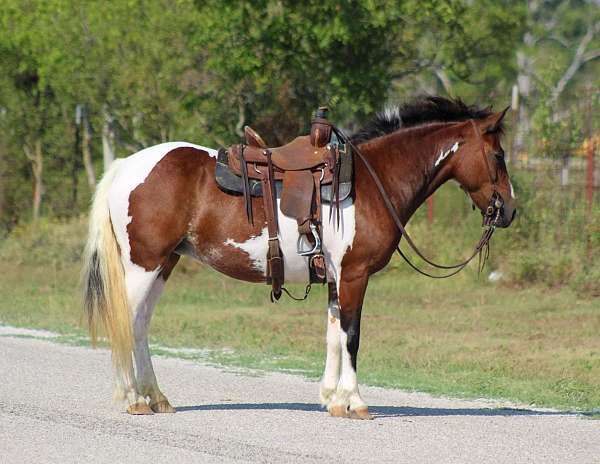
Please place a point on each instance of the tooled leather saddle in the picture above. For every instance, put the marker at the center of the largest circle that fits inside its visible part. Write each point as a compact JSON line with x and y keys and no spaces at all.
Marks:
{"x":295,"y":178}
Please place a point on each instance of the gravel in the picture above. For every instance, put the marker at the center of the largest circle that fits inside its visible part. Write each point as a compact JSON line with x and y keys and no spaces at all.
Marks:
{"x":55,"y":407}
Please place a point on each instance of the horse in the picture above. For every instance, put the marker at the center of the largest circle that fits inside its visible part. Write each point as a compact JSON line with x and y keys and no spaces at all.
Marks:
{"x":162,"y":203}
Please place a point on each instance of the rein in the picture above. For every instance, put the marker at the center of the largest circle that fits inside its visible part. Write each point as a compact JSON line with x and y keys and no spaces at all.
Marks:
{"x":491,"y":216}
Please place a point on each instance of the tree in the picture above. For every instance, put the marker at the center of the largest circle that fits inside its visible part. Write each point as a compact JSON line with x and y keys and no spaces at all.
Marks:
{"x":271,"y":63}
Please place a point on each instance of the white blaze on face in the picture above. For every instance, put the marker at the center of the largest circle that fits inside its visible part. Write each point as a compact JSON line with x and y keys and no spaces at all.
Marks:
{"x":512,"y":191}
{"x":444,"y":154}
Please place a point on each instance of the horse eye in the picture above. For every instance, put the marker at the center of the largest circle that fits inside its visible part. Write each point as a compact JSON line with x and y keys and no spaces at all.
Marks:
{"x":499,"y":154}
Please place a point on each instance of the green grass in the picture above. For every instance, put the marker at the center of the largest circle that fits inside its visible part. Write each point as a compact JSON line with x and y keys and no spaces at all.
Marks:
{"x":463,"y":337}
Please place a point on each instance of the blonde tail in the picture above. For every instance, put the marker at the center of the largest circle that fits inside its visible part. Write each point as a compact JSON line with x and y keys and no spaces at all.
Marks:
{"x":105,"y":295}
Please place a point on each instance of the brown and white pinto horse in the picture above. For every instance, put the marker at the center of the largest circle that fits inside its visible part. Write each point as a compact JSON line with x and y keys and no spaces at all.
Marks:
{"x":163,"y":202}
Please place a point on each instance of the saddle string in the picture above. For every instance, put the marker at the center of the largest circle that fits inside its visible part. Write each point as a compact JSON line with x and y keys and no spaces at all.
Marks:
{"x":288,"y":293}
{"x":483,"y":242}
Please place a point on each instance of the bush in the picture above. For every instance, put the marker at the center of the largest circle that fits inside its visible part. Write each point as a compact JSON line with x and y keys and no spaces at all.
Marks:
{"x":47,"y":242}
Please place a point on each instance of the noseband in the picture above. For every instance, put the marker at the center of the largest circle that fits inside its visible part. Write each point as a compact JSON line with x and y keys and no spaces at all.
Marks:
{"x":491,"y":217}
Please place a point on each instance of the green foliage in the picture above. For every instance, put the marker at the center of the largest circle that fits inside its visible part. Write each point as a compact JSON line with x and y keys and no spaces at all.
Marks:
{"x":552,"y":245}
{"x":200,"y":70}
{"x":58,"y":244}
{"x":181,"y":69}
{"x":272,"y":63}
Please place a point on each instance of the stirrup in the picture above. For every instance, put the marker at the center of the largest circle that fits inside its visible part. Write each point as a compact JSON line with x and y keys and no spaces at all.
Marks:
{"x":313,"y":250}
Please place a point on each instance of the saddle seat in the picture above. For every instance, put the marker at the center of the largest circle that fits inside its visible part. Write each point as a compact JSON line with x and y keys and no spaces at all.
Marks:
{"x":298,"y":155}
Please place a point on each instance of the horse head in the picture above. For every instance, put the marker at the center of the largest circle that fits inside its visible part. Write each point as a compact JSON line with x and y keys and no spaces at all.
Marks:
{"x":481,"y":169}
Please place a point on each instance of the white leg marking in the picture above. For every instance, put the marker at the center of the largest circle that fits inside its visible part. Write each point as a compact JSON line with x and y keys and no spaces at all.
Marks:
{"x":331,"y":375}
{"x":347,"y":393}
{"x":131,"y":172}
{"x":138,"y":283}
{"x":146,"y":379}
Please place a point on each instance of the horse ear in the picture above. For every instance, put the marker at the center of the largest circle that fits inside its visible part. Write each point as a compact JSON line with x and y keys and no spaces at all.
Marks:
{"x":493,"y":122}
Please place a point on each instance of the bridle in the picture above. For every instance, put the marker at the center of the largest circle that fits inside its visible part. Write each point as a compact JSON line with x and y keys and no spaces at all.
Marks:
{"x":491,"y":216}
{"x":495,"y":206}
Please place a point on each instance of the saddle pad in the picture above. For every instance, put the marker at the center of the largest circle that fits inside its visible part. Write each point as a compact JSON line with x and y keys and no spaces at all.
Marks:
{"x":231,"y":183}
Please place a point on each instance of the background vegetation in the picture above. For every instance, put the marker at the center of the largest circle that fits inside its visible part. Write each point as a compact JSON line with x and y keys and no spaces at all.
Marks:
{"x":84,"y":82}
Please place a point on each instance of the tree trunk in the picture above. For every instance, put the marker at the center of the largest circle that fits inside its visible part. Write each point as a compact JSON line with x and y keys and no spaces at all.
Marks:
{"x":72,"y":128}
{"x":564,"y":172}
{"x":108,"y":140}
{"x":524,"y":86}
{"x":579,"y":58}
{"x":86,"y":149}
{"x":37,"y":168}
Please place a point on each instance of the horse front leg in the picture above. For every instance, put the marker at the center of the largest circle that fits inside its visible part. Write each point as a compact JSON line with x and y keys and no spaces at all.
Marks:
{"x":346,"y":401}
{"x":331,"y":375}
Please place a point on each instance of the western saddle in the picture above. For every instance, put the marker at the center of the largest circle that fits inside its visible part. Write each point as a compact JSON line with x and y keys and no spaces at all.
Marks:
{"x":296,"y":173}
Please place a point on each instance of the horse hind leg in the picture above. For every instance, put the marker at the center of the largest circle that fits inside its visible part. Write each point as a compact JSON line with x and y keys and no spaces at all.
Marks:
{"x":139,"y":284}
{"x":145,"y":376}
{"x":143,"y":290}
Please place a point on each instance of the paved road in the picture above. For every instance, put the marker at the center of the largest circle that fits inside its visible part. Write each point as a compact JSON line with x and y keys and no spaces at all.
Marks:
{"x":55,"y":408}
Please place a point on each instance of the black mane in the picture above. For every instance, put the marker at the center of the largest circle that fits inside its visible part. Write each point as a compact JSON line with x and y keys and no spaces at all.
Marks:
{"x":419,"y":111}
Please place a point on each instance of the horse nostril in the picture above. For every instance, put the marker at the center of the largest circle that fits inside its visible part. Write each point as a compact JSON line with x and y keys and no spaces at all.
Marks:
{"x":514,"y":214}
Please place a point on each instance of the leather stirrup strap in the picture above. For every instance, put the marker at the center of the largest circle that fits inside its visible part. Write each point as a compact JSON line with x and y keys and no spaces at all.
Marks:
{"x":274,"y":257}
{"x":318,"y":260}
{"x":246,"y":185}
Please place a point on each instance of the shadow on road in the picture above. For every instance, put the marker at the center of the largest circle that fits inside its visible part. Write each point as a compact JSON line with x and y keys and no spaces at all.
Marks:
{"x":378,"y":411}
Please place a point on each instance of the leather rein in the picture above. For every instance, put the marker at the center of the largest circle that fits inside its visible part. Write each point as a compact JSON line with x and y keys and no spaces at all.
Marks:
{"x":490,"y":217}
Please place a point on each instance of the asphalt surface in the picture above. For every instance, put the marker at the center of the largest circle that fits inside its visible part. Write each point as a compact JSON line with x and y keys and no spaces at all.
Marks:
{"x":55,"y":407}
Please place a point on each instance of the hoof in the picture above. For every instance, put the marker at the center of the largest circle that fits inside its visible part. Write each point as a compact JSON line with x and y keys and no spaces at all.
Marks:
{"x":338,"y":410}
{"x":162,"y":407}
{"x":361,"y":413}
{"x":138,"y":409}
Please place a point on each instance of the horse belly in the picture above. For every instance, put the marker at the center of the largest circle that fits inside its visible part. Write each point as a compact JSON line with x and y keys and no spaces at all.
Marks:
{"x":256,"y":247}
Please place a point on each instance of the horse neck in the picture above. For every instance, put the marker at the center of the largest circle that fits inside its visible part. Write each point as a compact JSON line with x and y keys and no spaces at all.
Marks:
{"x":405,"y":163}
